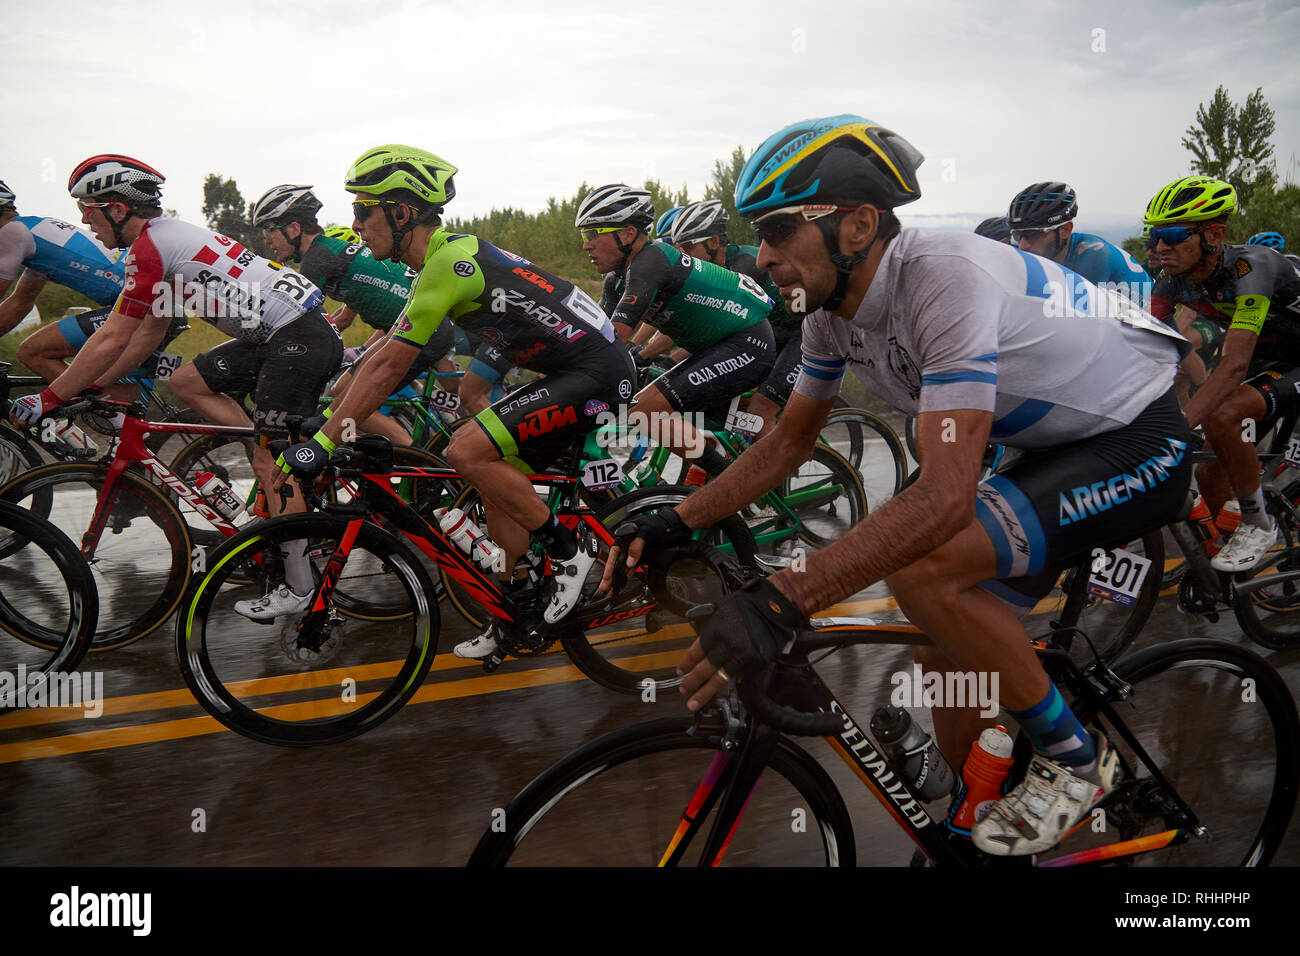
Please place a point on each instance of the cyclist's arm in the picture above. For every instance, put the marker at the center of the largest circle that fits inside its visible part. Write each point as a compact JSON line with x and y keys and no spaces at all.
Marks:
{"x":657,"y":346}
{"x":646,"y":276}
{"x":1238,"y":348}
{"x":118,"y":347}
{"x":342,"y":317}
{"x":15,"y":308}
{"x":437,"y":290}
{"x":925,"y":515}
{"x":371,"y":386}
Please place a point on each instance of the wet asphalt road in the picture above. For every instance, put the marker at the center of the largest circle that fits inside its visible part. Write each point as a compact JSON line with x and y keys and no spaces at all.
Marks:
{"x":155,"y":781}
{"x":165,"y":785}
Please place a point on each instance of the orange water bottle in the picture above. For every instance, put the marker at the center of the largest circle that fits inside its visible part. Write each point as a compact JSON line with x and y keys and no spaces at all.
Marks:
{"x":982,"y":777}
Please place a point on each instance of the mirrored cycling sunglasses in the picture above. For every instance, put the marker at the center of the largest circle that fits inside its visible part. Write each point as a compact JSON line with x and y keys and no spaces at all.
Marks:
{"x":1018,"y":234}
{"x":83,"y":205}
{"x":1171,"y":235}
{"x":362,"y":208}
{"x":590,"y":234}
{"x":780,"y":224}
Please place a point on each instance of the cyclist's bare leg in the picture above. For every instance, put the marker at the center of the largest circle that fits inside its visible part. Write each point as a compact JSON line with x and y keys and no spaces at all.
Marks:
{"x":45,"y":352}
{"x":766,"y":409}
{"x":1236,"y":456}
{"x":675,"y":431}
{"x":499,"y":483}
{"x":215,"y":407}
{"x":972,"y":631}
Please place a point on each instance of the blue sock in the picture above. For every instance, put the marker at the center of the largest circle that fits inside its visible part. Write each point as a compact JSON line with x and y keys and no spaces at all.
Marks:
{"x":1055,"y":732}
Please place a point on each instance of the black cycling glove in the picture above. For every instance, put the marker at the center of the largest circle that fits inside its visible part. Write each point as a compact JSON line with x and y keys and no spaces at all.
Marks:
{"x":750,"y":628}
{"x":662,"y":529}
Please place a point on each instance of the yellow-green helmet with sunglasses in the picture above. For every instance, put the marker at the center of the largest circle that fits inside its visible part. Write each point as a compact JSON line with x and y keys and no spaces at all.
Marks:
{"x":1191,"y":199}
{"x":404,"y":174}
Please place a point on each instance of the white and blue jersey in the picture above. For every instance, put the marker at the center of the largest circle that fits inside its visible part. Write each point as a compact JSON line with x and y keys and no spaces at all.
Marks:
{"x":1105,"y":264}
{"x":952,"y":321}
{"x":1077,"y":375}
{"x":57,"y":251}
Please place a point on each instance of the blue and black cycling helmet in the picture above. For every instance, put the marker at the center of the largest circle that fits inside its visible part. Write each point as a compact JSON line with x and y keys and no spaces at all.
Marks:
{"x":831,"y":158}
{"x":996,"y":228}
{"x":665,"y":224}
{"x":1273,"y":240}
{"x":1042,"y":206}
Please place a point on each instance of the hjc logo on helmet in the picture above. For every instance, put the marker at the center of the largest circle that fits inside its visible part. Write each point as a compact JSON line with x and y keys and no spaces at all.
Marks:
{"x":105,"y":182}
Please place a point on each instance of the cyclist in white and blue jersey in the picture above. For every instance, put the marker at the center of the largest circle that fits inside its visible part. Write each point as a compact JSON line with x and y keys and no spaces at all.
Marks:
{"x":979,"y":340}
{"x":35,"y":250}
{"x":1041,"y":219}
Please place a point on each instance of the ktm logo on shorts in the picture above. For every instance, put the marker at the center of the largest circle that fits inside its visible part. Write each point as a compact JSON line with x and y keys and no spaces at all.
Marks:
{"x":538,"y":423}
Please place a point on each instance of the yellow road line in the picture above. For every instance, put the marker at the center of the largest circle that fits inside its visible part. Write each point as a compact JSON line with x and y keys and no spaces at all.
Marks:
{"x":442,"y":690}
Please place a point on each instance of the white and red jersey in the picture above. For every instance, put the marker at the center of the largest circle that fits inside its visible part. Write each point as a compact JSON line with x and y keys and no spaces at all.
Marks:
{"x":175,"y":268}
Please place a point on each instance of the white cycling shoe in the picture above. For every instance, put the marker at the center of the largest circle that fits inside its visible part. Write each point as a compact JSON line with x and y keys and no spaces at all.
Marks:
{"x":482,"y":645}
{"x":1245,"y":548}
{"x":275,"y":603}
{"x":568,"y":577}
{"x":1038,"y":813}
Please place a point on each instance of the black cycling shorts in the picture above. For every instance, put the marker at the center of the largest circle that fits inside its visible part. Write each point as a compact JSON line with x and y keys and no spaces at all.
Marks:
{"x":708,"y":380}
{"x":785,"y":370}
{"x":287,"y":374}
{"x":538,"y":422}
{"x":1279,"y":384}
{"x":1047,"y":510}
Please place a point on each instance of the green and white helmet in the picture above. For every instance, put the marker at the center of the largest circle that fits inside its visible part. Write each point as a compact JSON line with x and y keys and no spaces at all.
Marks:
{"x":404,"y":174}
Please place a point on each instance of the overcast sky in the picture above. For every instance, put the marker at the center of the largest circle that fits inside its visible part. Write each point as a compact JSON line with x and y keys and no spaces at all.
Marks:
{"x":529,"y":99}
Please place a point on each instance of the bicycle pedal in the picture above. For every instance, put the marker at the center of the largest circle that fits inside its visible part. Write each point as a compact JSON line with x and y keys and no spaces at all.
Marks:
{"x":492,"y":662}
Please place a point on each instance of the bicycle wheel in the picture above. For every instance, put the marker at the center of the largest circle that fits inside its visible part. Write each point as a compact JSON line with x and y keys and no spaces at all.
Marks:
{"x":311,"y":677}
{"x":871,"y":447}
{"x":1110,"y":626}
{"x":632,"y":640}
{"x":1236,"y":764}
{"x":48,"y":605}
{"x":1270,"y":615}
{"x":17,"y":455}
{"x":825,"y":497}
{"x":624,"y":799}
{"x":142,"y":562}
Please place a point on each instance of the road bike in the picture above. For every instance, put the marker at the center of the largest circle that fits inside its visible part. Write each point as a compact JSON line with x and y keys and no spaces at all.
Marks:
{"x":729,"y":785}
{"x":369,"y":633}
{"x":137,"y":536}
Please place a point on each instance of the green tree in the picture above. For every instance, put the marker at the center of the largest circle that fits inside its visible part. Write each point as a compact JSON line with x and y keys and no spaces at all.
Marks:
{"x":1270,"y":211}
{"x":227,"y":213}
{"x":723,"y":187}
{"x":1232,"y":143}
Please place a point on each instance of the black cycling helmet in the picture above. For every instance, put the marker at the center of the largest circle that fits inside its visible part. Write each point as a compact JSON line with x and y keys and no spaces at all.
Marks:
{"x":1042,"y":206}
{"x":994,"y":227}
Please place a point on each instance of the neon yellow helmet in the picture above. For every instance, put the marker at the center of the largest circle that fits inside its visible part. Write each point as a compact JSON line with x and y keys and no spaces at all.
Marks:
{"x":344,"y":233}
{"x":403,"y":173}
{"x":1191,"y":199}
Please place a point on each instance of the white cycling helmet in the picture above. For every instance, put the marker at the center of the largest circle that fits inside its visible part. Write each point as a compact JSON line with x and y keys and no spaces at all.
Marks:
{"x":112,"y":177}
{"x":278,"y":201}
{"x":615,"y":205}
{"x":699,"y":221}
